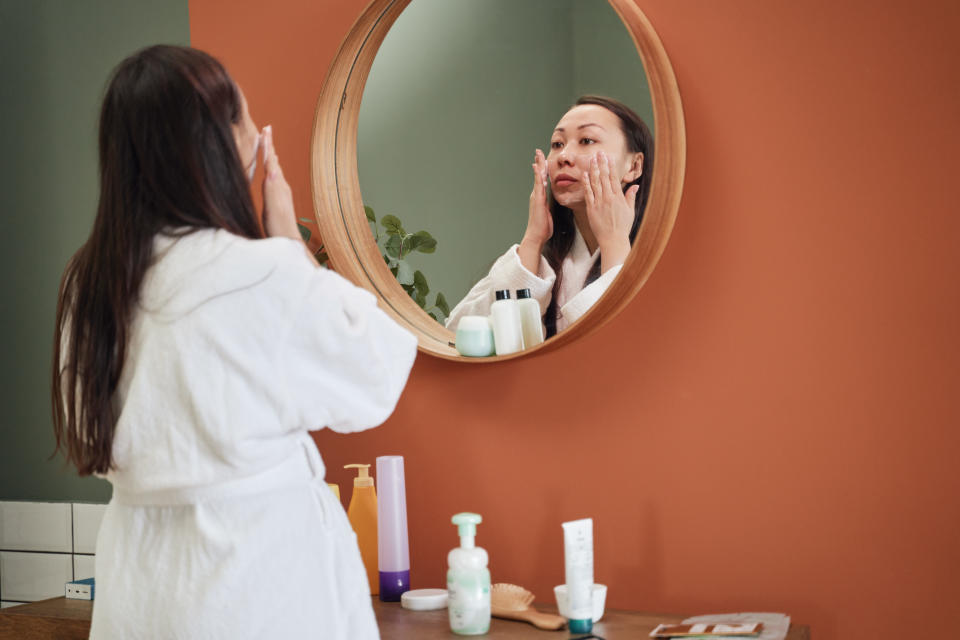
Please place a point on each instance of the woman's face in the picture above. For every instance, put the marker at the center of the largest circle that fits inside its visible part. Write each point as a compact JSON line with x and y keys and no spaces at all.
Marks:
{"x":582,"y":132}
{"x":245,"y":134}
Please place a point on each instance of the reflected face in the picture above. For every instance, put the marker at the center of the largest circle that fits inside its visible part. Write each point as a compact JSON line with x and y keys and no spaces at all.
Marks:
{"x":581,"y":133}
{"x":245,"y":133}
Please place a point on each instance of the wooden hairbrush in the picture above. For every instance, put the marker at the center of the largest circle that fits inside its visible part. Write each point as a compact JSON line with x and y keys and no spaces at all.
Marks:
{"x":513,"y":603}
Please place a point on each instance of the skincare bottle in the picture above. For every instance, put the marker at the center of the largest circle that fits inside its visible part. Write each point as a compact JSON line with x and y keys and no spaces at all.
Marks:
{"x":468,"y":581}
{"x":505,"y":317}
{"x":578,"y":565}
{"x":363,"y":518}
{"x":531,"y":324}
{"x":393,"y":550}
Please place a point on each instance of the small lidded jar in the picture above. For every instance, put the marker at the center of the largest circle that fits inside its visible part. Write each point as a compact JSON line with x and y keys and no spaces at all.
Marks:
{"x":475,"y":337}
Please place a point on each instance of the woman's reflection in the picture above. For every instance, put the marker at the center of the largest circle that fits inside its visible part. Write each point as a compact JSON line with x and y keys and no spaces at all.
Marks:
{"x":598,"y":172}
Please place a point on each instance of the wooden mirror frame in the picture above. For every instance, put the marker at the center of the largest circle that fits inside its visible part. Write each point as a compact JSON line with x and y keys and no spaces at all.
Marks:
{"x":338,"y":204}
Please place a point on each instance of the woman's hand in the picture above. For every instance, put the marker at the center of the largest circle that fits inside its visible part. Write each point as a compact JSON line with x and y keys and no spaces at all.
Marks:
{"x":539,"y":220}
{"x":610,"y":211}
{"x":279,"y":218}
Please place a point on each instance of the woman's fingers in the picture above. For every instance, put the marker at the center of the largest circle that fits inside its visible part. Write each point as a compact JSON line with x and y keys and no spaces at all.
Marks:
{"x":612,"y":182}
{"x":540,"y":170}
{"x":265,"y":142}
{"x":596,"y":180}
{"x":278,"y":212}
{"x":588,"y":195}
{"x":271,"y":162}
{"x":631,"y":196}
{"x":603,"y":174}
{"x":539,"y":173}
{"x":608,"y":206}
{"x":543,"y":168}
{"x":539,"y":222}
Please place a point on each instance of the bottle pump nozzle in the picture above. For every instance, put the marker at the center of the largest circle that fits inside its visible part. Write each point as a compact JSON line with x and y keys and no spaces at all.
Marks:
{"x":363,"y":478}
{"x":467,"y":528}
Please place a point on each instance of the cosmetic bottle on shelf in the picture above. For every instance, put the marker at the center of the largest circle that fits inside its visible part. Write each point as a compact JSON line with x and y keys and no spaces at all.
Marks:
{"x":363,"y":518}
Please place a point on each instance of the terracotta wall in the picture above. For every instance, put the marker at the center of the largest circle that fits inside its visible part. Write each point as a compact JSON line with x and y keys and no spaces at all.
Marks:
{"x":773,"y":423}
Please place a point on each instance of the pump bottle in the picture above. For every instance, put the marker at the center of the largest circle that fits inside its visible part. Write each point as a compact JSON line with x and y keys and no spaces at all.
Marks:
{"x":468,"y":580}
{"x":363,"y":518}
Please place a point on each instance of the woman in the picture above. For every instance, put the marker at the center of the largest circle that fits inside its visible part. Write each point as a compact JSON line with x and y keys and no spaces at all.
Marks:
{"x":579,"y":234}
{"x":196,"y":345}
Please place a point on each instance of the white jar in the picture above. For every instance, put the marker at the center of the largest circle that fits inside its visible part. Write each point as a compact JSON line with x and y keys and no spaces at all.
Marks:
{"x":505,"y":318}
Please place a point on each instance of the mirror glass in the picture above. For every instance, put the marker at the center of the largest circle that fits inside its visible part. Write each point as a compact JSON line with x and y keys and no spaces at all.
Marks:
{"x":460,"y":95}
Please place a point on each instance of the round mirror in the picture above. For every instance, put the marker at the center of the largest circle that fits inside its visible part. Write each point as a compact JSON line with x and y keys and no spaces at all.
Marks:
{"x":433,"y":166}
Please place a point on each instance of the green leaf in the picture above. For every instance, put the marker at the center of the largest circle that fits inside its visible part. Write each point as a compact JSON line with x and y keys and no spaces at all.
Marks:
{"x":322,"y":257}
{"x":393,"y":270}
{"x":426,"y":243}
{"x":370,"y":215}
{"x":420,"y":282}
{"x":439,"y":317}
{"x":404,"y":273}
{"x":304,"y":232}
{"x":393,"y":246}
{"x":410,"y":244}
{"x":393,"y":225}
{"x":441,"y":303}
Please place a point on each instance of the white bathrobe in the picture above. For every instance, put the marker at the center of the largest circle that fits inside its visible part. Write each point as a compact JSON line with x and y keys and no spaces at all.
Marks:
{"x":573,"y":299}
{"x":221,"y":524}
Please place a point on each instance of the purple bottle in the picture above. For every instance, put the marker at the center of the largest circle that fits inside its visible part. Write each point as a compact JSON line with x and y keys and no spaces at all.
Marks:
{"x":392,"y":547}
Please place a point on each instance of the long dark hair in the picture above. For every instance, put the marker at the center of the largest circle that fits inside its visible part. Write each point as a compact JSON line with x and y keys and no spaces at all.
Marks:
{"x":564,"y":227}
{"x":168,"y":161}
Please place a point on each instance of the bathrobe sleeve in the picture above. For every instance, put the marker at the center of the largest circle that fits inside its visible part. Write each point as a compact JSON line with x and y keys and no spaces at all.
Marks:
{"x":345,"y":361}
{"x":588,"y":296}
{"x":506,"y":273}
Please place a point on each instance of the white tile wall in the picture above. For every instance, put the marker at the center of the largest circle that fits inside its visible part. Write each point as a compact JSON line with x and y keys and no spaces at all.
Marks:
{"x":86,"y":524}
{"x":29,"y":576}
{"x":82,"y":567}
{"x":35,"y":526}
{"x":44,"y":545}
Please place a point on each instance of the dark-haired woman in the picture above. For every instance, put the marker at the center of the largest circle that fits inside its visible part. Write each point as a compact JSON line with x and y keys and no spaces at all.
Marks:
{"x":197,"y":343}
{"x":580,"y":232}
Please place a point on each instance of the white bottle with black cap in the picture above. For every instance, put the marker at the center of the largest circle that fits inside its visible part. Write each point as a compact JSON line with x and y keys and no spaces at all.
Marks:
{"x":505,"y":318}
{"x":531,"y":325}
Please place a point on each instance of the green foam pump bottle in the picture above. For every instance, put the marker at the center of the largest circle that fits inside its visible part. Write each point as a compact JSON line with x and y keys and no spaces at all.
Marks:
{"x":468,"y":580}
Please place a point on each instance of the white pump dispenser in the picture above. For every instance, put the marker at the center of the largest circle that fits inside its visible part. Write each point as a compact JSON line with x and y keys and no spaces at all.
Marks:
{"x":468,"y":580}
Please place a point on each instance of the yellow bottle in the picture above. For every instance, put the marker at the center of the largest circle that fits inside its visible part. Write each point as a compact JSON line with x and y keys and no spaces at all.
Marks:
{"x":363,"y":518}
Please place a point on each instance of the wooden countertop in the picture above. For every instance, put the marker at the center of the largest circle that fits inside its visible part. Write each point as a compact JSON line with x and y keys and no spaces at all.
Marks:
{"x":396,"y":622}
{"x":70,"y":620}
{"x":57,"y":618}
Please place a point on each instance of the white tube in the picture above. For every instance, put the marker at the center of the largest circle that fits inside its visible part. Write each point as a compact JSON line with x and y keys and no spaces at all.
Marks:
{"x":578,"y":563}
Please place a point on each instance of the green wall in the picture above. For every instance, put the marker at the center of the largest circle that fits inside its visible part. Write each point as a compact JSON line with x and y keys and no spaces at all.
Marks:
{"x":459,"y":96}
{"x":55,"y":58}
{"x":599,"y":37}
